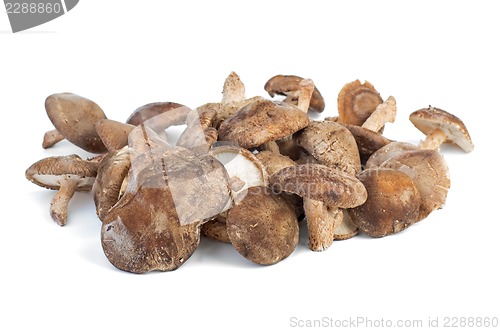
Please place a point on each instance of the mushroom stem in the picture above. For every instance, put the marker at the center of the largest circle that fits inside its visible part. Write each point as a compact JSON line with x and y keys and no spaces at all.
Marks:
{"x":434,"y":140}
{"x":50,"y":138}
{"x":305,"y":94}
{"x":233,"y":90}
{"x":385,"y":112}
{"x":271,"y":146}
{"x":59,"y":205}
{"x":321,"y":223}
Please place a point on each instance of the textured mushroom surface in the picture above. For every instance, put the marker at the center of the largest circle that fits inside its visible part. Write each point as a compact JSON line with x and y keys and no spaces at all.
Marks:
{"x":113,"y":134}
{"x":388,"y":151}
{"x":263,"y":227}
{"x":356,"y":102}
{"x":159,"y":115}
{"x":262,"y":121}
{"x":75,"y":118}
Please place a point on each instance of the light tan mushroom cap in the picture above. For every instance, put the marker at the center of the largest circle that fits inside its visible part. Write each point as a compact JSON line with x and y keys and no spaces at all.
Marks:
{"x":429,"y":171}
{"x":263,"y":227}
{"x":287,"y":84}
{"x":356,"y":102}
{"x":75,"y":118}
{"x":50,"y":171}
{"x":429,"y":119}
{"x":319,"y":182}
{"x":331,"y":144}
{"x":262,"y":121}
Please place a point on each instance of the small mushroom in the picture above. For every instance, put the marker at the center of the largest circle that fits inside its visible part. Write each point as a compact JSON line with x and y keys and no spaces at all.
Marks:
{"x":289,"y":86}
{"x":356,"y":102}
{"x":368,"y":141}
{"x":243,"y":168}
{"x":386,"y":152}
{"x":66,"y":174}
{"x":385,"y":112}
{"x":263,"y":227}
{"x":113,"y":134}
{"x":111,"y":180}
{"x":440,"y":126}
{"x":159,"y":115}
{"x":429,"y":171}
{"x":262,"y":121}
{"x":316,"y":182}
{"x":393,"y":202}
{"x":332,"y":145}
{"x":74,"y":117}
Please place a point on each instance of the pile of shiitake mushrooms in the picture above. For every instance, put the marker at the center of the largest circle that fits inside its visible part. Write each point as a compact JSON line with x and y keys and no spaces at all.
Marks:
{"x":245,"y":171}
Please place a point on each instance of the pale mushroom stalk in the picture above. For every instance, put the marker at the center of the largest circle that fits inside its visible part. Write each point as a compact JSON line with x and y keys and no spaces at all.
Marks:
{"x":59,"y":204}
{"x":321,"y":223}
{"x":385,"y":112}
{"x":305,"y":94}
{"x":435,"y":139}
{"x":50,"y":138}
{"x":233,"y":90}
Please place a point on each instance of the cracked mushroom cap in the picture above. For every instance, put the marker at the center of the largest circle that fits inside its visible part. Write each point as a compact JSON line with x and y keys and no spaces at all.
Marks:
{"x":262,"y":121}
{"x":75,"y":118}
{"x":386,"y":152}
{"x":368,"y":141}
{"x":111,"y":180}
{"x":50,"y":171}
{"x":159,"y":115}
{"x":263,"y":227}
{"x":288,"y":85}
{"x":319,"y":182}
{"x":332,"y":145}
{"x":429,"y":171}
{"x":429,"y":119}
{"x":393,"y":202}
{"x":113,"y":134}
{"x":356,"y":102}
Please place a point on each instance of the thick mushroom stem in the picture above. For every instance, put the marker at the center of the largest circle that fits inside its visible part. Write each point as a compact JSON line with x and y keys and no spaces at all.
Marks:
{"x":271,"y":146}
{"x":305,"y":94}
{"x":434,"y":140}
{"x":385,"y":112}
{"x":321,"y":223}
{"x":233,"y":90}
{"x":59,"y":205}
{"x":50,"y":138}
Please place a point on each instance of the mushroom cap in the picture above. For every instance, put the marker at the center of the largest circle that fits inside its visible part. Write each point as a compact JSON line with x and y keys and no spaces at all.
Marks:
{"x":142,"y":232}
{"x":393,"y":202}
{"x":262,"y":121}
{"x":50,"y":171}
{"x":429,"y":119}
{"x":356,"y":102}
{"x":112,"y":173}
{"x":346,"y":229}
{"x":242,"y":167}
{"x":332,"y":145}
{"x":319,"y":182}
{"x":159,"y":115}
{"x":429,"y":171}
{"x":287,"y":84}
{"x":113,"y":134}
{"x":263,"y":227}
{"x":75,"y":118}
{"x":368,"y":141}
{"x":274,"y":162}
{"x":386,"y":152}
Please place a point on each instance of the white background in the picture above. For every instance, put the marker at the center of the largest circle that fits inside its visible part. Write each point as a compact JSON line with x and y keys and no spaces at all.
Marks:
{"x":123,"y":54}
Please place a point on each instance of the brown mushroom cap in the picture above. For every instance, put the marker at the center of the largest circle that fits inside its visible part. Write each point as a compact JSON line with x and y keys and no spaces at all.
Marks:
{"x":288,"y":85}
{"x":108,"y":186}
{"x":113,"y":134}
{"x":50,"y":171}
{"x":356,"y":102}
{"x":429,"y":119}
{"x":159,"y":115}
{"x":216,"y":230}
{"x":386,"y":152}
{"x":332,"y":145}
{"x":368,"y":141}
{"x":319,"y":182}
{"x":262,"y":227}
{"x":393,"y":202}
{"x":429,"y":171}
{"x":262,"y":121}
{"x":75,"y":118}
